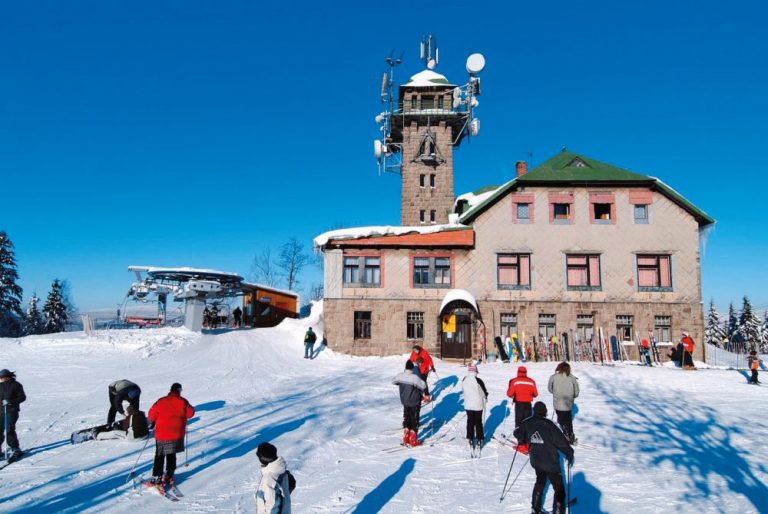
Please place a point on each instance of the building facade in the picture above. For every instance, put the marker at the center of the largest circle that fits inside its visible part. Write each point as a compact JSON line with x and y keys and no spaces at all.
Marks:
{"x":575,"y":249}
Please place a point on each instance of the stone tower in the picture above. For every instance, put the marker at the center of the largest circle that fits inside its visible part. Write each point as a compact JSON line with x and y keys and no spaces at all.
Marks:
{"x":427,"y":126}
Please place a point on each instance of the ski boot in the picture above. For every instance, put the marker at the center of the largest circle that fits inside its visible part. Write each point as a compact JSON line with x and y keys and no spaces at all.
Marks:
{"x":558,"y":507}
{"x":536,"y":503}
{"x":413,"y":440}
{"x":406,"y":437}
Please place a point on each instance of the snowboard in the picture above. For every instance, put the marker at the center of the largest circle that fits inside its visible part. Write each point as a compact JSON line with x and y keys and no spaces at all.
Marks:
{"x":500,"y":347}
{"x":80,"y":436}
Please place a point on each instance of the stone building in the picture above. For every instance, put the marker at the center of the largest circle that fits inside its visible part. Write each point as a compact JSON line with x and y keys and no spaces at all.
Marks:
{"x":574,"y":248}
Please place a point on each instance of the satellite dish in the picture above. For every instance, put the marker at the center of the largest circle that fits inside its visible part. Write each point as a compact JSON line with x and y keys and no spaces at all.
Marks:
{"x":475,"y":102}
{"x":456,"y":93}
{"x":377,"y":148}
{"x":380,"y":118}
{"x":475,"y":64}
{"x":456,"y":103}
{"x":431,"y":64}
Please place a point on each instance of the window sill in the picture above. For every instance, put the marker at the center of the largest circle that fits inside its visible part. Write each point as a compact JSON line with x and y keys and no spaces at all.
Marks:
{"x":561,"y":222}
{"x":654,"y":289}
{"x":601,"y":222}
{"x":506,"y":287}
{"x":360,"y":284}
{"x":641,"y":222}
{"x":584,"y":288}
{"x":523,"y":221}
{"x":431,"y":286}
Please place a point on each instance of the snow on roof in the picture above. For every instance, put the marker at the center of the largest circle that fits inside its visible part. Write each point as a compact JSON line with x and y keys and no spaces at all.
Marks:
{"x":475,"y":199}
{"x":428,"y":78}
{"x":384,"y":230}
{"x":286,"y":292}
{"x":459,"y":294}
{"x":183,"y":270}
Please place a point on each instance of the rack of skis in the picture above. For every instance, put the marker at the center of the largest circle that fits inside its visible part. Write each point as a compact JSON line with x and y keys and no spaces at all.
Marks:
{"x":598,"y":348}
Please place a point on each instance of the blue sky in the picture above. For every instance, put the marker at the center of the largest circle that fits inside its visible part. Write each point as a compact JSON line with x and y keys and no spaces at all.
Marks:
{"x":197,"y":133}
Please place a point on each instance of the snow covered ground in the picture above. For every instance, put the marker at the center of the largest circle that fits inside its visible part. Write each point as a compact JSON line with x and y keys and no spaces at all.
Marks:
{"x":654,"y":439}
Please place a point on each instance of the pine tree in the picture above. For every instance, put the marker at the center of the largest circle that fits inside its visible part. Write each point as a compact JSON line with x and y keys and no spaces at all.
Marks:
{"x":11,"y":314}
{"x":713,"y":329}
{"x":749,"y":326}
{"x":33,"y":320}
{"x":764,"y":342}
{"x":733,"y":322}
{"x":55,"y":311}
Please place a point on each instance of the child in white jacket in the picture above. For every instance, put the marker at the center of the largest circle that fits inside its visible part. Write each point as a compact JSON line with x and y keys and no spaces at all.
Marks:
{"x":475,"y":396}
{"x":273,"y":495}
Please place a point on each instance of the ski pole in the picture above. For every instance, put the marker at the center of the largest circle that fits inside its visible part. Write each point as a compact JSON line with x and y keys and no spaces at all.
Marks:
{"x":186,"y":454}
{"x":130,"y":474}
{"x":503,"y":489}
{"x":5,"y":426}
{"x":568,"y":493}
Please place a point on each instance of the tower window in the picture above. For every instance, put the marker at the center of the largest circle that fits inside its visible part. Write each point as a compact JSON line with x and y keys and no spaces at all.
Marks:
{"x":440,"y":101}
{"x":432,"y":180}
{"x":427,"y":102}
{"x":422,"y":180}
{"x":422,"y":216}
{"x":414,"y":102}
{"x":432,"y":216}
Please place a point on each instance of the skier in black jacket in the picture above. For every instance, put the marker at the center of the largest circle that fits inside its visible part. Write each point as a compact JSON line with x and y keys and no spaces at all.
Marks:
{"x":413,"y":390}
{"x":545,"y":439}
{"x":11,"y":395}
{"x":122,"y":391}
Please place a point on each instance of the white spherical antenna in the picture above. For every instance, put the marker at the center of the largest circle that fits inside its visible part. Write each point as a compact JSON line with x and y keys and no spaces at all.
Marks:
{"x":475,"y":64}
{"x":474,"y":127}
{"x":475,"y":102}
{"x":377,"y":148}
{"x":380,"y":118}
{"x":431,"y":64}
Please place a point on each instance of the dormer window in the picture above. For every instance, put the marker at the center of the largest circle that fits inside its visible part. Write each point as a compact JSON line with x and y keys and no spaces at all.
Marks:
{"x":578,"y":163}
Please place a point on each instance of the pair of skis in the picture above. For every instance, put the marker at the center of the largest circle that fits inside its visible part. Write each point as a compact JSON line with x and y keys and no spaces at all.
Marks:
{"x":475,"y":448}
{"x":170,"y":492}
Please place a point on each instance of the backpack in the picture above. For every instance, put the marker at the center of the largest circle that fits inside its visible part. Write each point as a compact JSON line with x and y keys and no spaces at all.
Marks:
{"x":291,"y":481}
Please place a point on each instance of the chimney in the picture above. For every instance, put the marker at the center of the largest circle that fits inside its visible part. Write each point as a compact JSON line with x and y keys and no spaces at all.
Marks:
{"x":521,"y":168}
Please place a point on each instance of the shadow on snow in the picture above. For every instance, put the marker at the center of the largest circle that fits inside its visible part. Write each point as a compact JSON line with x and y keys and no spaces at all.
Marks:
{"x":667,"y":430}
{"x":379,"y":497}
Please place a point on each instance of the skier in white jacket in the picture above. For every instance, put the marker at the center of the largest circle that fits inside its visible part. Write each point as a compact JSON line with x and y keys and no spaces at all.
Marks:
{"x":475,"y":397}
{"x":273,"y":495}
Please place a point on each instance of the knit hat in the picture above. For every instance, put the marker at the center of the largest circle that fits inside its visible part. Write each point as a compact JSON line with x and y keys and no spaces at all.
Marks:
{"x":4,"y":373}
{"x":408,"y":364}
{"x":176,"y":387}
{"x":266,"y":453}
{"x":134,"y":393}
{"x":540,"y":409}
{"x":472,"y":368}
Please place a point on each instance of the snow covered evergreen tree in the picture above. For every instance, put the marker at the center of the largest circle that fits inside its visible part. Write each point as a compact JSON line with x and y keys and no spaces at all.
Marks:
{"x":66,"y":299}
{"x":749,"y":326}
{"x":714,"y":333}
{"x":33,"y":320}
{"x":11,"y":314}
{"x":55,"y":311}
{"x":733,"y":322}
{"x":764,"y":341}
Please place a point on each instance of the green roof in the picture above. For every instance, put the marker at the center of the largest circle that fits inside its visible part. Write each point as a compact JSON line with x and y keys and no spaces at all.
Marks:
{"x":570,"y":169}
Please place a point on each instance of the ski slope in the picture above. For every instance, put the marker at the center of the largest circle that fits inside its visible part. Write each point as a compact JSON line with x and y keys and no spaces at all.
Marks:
{"x":651,"y":439}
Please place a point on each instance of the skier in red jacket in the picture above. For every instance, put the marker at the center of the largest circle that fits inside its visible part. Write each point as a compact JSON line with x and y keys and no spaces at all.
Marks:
{"x":169,"y":414}
{"x":688,"y":346}
{"x":426,"y":365}
{"x":522,"y":390}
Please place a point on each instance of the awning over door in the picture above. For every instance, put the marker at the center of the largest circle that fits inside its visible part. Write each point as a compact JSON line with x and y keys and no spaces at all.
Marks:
{"x":459,"y":294}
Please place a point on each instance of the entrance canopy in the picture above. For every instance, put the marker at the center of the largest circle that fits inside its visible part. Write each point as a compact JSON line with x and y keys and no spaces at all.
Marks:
{"x":459,"y":294}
